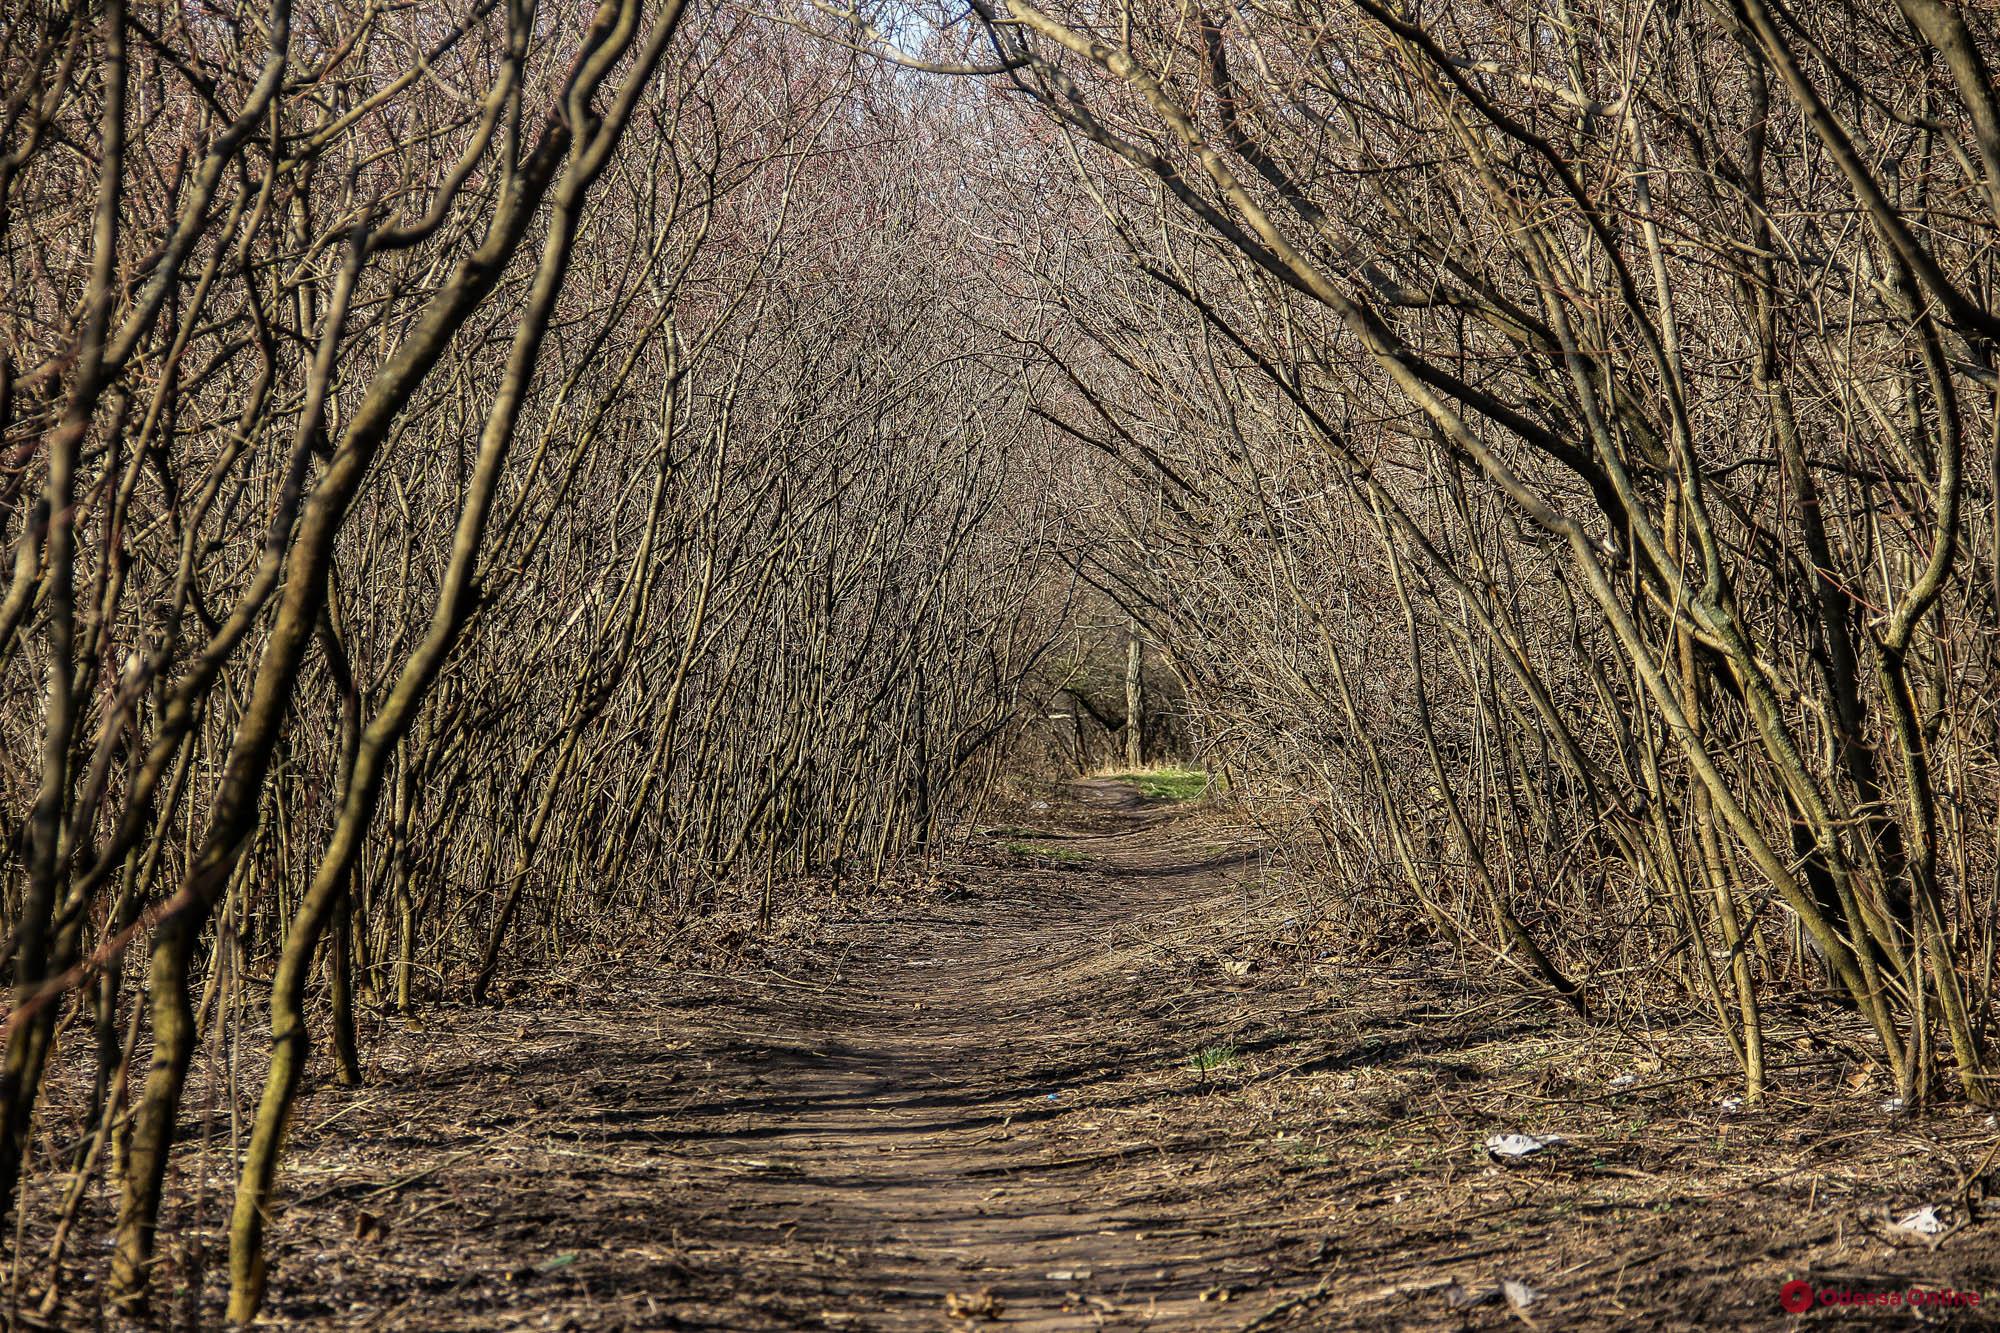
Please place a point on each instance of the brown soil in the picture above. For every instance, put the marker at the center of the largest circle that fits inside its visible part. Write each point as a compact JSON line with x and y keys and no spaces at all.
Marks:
{"x":1094,"y":1076}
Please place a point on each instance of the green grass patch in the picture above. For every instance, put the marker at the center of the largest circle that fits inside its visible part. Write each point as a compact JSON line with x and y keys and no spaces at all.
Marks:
{"x":1210,"y":1059}
{"x":1061,"y":856}
{"x":1168,"y":784}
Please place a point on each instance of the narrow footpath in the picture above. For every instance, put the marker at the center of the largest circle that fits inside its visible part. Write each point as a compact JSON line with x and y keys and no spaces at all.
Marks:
{"x":1094,"y":1076}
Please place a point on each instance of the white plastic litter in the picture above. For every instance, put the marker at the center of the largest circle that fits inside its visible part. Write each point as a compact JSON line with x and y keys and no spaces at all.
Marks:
{"x":1924,"y":1221}
{"x":1624,"y":1081}
{"x":1729,"y":1105}
{"x":1517,"y":1146}
{"x":1893,"y":1106}
{"x":1518,"y":1295}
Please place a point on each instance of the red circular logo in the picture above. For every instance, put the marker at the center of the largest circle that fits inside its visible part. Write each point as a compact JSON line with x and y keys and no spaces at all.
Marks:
{"x":1796,"y":1295}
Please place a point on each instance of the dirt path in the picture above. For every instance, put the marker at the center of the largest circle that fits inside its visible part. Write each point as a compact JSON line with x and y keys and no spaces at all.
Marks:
{"x":1074,"y":1085}
{"x":918,"y":1139}
{"x":939,"y":1125}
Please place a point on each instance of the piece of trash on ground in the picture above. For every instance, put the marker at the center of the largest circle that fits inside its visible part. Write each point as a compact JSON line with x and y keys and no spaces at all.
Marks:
{"x":1923,"y":1221}
{"x":1516,"y":1146}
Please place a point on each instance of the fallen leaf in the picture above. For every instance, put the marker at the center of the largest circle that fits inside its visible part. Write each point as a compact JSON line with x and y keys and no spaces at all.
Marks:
{"x":981,"y":1304}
